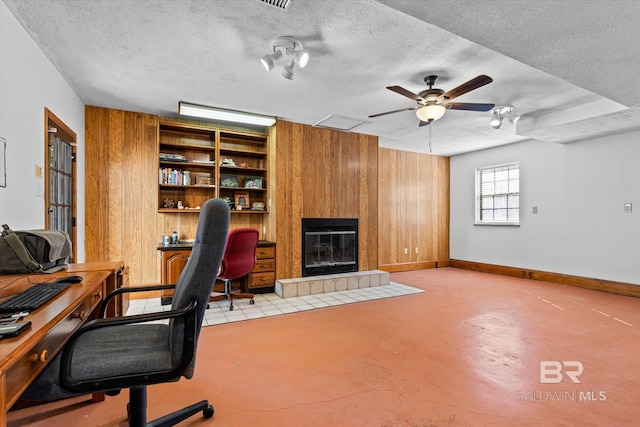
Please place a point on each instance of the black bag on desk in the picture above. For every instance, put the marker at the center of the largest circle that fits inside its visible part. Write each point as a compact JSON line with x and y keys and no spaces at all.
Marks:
{"x":42,"y":251}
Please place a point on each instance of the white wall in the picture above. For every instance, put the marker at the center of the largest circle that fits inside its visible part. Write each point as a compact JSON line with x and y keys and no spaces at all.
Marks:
{"x":28,"y":83}
{"x":580,"y":190}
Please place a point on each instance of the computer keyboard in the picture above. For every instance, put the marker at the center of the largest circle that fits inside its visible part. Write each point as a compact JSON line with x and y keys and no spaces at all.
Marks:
{"x":34,"y":297}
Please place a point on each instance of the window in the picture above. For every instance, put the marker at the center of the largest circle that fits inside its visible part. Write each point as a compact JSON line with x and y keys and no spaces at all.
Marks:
{"x":498,"y":194}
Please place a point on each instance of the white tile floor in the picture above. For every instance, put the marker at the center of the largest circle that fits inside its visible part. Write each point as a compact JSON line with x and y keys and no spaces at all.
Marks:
{"x":272,"y":305}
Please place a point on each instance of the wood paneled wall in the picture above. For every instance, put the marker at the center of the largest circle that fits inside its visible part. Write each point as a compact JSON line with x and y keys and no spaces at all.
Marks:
{"x":121,"y":190}
{"x":400,"y":198}
{"x":121,"y":175}
{"x":324,"y":173}
{"x":413,"y":210}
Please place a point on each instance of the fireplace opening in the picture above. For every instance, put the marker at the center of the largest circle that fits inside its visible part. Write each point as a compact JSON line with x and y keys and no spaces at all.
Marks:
{"x":329,"y":245}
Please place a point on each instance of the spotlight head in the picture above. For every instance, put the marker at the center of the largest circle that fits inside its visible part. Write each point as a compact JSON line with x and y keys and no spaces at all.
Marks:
{"x":288,"y":70}
{"x":513,"y":117}
{"x":269,"y":60}
{"x":300,"y":56}
{"x":496,"y":120}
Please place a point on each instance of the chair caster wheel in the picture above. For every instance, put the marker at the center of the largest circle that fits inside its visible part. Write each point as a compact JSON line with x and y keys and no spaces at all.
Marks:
{"x":251,"y":301}
{"x":208,"y":411}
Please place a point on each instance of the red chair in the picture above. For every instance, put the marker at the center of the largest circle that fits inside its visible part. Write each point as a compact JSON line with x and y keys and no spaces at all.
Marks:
{"x":238,"y":259}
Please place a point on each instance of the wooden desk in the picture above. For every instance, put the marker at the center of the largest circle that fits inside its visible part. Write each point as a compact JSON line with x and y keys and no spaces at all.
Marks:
{"x":118,"y":278}
{"x":23,"y":357}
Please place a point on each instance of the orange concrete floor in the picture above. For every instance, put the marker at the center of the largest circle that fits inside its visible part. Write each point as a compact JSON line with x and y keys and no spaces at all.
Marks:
{"x":467,"y":352}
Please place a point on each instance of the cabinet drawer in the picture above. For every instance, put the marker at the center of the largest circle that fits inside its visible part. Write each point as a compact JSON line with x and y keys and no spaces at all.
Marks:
{"x":264,"y":265}
{"x":261,"y":280}
{"x":263,"y":252}
{"x":30,"y":365}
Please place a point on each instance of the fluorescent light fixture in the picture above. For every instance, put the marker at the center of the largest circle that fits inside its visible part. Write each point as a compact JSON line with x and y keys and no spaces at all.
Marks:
{"x":202,"y":111}
{"x":430,"y":112}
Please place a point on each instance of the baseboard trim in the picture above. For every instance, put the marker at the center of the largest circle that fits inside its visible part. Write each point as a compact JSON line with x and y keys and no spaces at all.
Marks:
{"x":408,"y":266}
{"x":619,"y":288}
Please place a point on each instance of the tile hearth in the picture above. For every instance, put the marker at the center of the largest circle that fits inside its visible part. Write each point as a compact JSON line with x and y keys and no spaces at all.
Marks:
{"x":313,"y":285}
{"x":271,"y":304}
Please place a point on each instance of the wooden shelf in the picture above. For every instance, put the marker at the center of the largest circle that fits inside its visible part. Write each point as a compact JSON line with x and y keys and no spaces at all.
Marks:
{"x":204,"y":148}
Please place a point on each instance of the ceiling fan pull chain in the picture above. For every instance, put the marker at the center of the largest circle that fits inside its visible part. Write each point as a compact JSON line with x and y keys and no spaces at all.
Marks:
{"x":430,"y":139}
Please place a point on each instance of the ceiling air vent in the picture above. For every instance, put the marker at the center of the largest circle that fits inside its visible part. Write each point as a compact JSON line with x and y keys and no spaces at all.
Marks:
{"x":338,"y":122}
{"x":282,"y":4}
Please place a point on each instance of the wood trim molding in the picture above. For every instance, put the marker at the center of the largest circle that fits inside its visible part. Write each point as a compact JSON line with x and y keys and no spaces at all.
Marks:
{"x":408,"y":266}
{"x":620,"y":288}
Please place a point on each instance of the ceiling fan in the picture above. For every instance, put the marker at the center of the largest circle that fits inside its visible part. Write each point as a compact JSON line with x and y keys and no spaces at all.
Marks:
{"x":433,"y":103}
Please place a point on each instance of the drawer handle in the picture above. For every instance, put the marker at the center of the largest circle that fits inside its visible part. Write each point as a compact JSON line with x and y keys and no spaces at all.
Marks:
{"x":82,"y":315}
{"x":262,"y":279}
{"x":263,"y":252}
{"x":42,"y":357}
{"x":263,"y":265}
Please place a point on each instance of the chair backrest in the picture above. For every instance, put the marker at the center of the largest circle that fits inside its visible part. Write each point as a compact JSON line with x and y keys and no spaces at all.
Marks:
{"x":239,"y":253}
{"x":199,"y":274}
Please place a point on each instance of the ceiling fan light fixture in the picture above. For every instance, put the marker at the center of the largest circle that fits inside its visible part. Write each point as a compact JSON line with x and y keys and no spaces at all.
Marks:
{"x":430,"y":112}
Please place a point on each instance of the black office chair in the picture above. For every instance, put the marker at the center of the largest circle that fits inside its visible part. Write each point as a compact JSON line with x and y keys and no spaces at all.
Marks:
{"x":122,"y":352}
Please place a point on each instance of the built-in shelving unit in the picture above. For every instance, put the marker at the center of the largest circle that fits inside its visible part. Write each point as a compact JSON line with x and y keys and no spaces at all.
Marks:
{"x":199,"y":162}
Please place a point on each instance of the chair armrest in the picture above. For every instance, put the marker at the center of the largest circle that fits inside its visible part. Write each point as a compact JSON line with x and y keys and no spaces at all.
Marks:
{"x":116,"y":292}
{"x":189,"y":314}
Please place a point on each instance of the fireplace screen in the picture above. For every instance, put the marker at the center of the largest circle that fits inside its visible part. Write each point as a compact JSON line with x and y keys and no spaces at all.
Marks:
{"x":330,"y":245}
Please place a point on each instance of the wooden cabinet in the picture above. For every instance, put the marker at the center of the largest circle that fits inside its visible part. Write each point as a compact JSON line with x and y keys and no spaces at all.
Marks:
{"x":198,"y":162}
{"x":263,"y":274}
{"x":173,"y":261}
{"x":261,"y":278}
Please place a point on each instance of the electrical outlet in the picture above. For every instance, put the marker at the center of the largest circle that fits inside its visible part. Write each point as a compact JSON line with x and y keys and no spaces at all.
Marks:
{"x":628,"y":207}
{"x":416,"y":249}
{"x":534,"y":210}
{"x":406,"y":251}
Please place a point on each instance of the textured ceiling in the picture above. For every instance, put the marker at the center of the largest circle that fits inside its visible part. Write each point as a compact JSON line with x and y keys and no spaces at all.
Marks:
{"x":567,"y":66}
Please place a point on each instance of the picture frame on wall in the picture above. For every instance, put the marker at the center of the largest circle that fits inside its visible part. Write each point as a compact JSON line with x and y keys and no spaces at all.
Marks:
{"x":241,"y":200}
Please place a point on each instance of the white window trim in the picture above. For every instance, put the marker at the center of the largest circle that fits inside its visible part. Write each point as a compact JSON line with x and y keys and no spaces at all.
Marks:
{"x":478,"y":221}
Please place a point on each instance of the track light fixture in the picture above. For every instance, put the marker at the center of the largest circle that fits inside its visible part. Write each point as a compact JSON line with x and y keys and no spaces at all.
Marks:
{"x":293,"y":50}
{"x":499,"y":113}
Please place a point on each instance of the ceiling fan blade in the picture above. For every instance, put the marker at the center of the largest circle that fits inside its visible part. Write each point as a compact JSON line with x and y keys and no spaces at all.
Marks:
{"x":391,"y":112}
{"x":404,"y":92}
{"x":423,"y":123}
{"x":471,"y":106}
{"x":472,"y":84}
